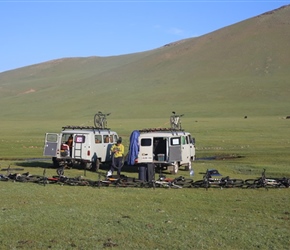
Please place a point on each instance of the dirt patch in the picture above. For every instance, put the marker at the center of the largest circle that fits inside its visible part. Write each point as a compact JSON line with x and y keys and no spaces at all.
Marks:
{"x":28,"y":91}
{"x":220,"y":157}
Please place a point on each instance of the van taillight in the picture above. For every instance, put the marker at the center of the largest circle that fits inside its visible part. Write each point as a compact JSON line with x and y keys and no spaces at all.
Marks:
{"x":89,"y":153}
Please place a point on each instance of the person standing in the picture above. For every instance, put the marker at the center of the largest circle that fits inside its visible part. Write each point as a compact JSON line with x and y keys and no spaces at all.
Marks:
{"x":70,"y":143}
{"x":117,"y":151}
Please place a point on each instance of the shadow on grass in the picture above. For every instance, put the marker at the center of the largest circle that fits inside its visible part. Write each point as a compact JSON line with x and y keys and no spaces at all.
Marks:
{"x":49,"y":165}
{"x":103,"y":167}
{"x":35,"y":164}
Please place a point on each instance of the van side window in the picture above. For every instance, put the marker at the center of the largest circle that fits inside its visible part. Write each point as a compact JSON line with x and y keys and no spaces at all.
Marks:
{"x":98,"y":139}
{"x":146,"y":142}
{"x":183,"y":140}
{"x":191,"y":140}
{"x":111,"y":138}
{"x":106,"y":139}
{"x":51,"y":138}
{"x":65,"y":137}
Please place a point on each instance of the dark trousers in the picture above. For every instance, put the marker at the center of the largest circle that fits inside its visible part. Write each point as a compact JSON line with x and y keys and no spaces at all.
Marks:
{"x":117,"y":163}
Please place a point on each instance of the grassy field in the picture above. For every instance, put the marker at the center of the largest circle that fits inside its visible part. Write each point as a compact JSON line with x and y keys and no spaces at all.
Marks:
{"x":65,"y":217}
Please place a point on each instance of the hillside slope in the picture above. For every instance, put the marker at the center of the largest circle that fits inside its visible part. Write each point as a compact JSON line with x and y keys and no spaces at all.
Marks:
{"x":240,"y":69}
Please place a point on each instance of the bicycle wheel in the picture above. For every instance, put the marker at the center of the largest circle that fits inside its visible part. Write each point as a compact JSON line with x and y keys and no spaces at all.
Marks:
{"x":175,"y":122}
{"x":98,"y":121}
{"x":60,"y":171}
{"x":201,"y":184}
{"x":254,"y":183}
{"x":231,"y":183}
{"x":185,"y":183}
{"x":285,"y":182}
{"x":36,"y":178}
{"x":197,"y":184}
{"x":3,"y":178}
{"x":175,"y":186}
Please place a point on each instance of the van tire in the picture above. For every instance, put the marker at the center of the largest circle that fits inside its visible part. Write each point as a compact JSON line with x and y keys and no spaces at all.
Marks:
{"x":69,"y":163}
{"x":175,"y":168}
{"x":188,"y":167}
{"x":96,"y":165}
{"x":55,"y":162}
{"x":86,"y":165}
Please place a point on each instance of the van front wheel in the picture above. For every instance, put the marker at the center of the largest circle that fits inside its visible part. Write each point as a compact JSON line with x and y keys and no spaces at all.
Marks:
{"x":86,"y":165}
{"x":188,"y":166}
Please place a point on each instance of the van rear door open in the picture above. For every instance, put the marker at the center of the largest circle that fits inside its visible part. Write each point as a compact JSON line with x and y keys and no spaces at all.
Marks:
{"x":51,"y":142}
{"x":174,"y":149}
{"x":146,"y":154}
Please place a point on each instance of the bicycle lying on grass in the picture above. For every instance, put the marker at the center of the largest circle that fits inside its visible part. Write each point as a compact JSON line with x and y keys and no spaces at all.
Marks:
{"x":264,"y":182}
{"x":22,"y":177}
{"x":225,"y":182}
{"x":179,"y":182}
{"x":162,"y":182}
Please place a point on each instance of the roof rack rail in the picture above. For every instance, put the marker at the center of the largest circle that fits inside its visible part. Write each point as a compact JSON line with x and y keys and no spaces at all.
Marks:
{"x":83,"y":127}
{"x":159,"y":129}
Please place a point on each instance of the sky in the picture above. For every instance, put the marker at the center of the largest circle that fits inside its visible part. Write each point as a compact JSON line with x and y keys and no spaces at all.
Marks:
{"x":33,"y":32}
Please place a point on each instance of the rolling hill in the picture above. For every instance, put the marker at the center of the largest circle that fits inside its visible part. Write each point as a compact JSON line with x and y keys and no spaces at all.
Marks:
{"x":237,"y":70}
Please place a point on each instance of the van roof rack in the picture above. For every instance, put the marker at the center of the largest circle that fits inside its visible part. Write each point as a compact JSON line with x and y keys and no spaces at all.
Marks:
{"x":159,"y":129}
{"x":82,"y":127}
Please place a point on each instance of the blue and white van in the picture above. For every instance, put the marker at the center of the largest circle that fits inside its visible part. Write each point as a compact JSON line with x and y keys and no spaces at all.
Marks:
{"x":165,"y":148}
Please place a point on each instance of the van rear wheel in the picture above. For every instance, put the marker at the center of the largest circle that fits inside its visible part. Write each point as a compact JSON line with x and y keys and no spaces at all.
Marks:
{"x":174,"y":169}
{"x":96,"y":165}
{"x":55,"y":162}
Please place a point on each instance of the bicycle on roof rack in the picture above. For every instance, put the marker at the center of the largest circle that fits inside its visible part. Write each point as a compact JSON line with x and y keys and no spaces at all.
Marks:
{"x":100,"y":120}
{"x":175,"y":122}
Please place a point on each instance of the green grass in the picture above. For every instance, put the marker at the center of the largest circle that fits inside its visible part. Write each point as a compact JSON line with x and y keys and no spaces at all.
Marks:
{"x":64,"y":217}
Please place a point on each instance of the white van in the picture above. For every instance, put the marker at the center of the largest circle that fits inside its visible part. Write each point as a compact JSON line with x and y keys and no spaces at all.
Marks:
{"x":166,"y":148}
{"x":90,"y":146}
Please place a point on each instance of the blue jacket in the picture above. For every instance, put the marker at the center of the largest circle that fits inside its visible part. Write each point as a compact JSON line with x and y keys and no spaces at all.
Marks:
{"x":133,"y":147}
